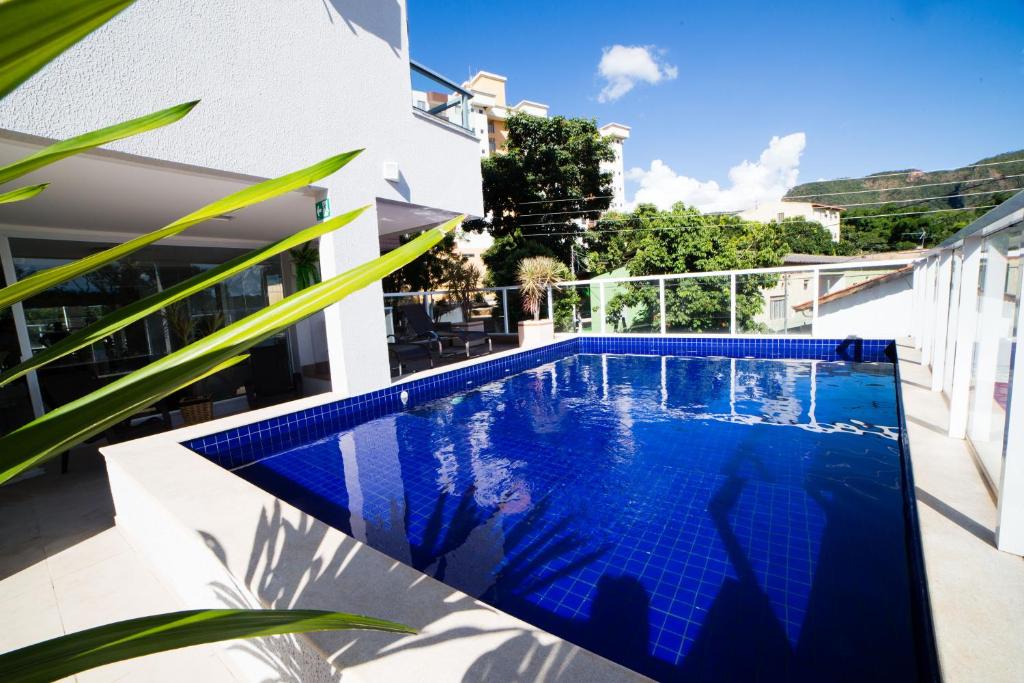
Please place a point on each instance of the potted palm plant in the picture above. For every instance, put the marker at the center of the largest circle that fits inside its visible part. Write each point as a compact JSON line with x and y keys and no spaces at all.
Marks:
{"x":536,"y":274}
{"x":197,"y":404}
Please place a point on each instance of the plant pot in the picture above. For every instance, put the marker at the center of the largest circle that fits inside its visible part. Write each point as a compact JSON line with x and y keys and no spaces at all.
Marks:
{"x":536,"y":332}
{"x":196,"y":410}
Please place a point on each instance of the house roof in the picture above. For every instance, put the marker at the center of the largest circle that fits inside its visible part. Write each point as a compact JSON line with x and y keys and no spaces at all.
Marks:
{"x":812,"y":259}
{"x":853,"y":289}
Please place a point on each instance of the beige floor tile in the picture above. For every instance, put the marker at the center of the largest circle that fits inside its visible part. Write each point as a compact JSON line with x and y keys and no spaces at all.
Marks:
{"x":85,"y":550}
{"x":118,"y":588}
{"x":29,"y":618}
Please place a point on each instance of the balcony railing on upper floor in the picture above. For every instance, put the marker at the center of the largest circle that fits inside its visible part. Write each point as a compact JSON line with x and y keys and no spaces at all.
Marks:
{"x":440,"y":97}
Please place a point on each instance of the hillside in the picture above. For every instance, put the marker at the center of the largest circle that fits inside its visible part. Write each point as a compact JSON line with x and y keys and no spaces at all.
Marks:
{"x":960,"y":181}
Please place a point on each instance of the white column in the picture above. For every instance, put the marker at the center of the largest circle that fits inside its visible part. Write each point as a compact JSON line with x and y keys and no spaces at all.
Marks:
{"x":920,"y":270}
{"x":928,"y":312}
{"x":941,"y":323}
{"x":551,"y":305}
{"x":356,"y":333}
{"x":967,"y":318}
{"x":21,"y":327}
{"x":991,"y":312}
{"x":1010,"y":519}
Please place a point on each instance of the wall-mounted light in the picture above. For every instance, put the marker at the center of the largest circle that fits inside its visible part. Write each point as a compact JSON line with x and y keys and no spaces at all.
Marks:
{"x":391,"y":172}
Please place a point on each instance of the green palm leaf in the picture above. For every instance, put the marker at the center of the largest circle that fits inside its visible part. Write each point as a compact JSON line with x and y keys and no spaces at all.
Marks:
{"x":139,"y":309}
{"x":34,"y":32}
{"x":43,"y":280}
{"x":22,"y":193}
{"x":65,"y":148}
{"x":70,"y":424}
{"x":77,"y":652}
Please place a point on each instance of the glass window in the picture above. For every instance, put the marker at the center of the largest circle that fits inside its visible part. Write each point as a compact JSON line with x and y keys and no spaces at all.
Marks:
{"x":69,"y":307}
{"x":999,"y":285}
{"x":778,"y":308}
{"x":15,"y":404}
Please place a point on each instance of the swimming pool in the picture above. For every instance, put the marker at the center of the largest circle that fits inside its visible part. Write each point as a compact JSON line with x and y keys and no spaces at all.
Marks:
{"x":684,"y":515}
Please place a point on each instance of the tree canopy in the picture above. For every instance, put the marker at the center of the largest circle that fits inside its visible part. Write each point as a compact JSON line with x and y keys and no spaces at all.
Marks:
{"x":547,"y":179}
{"x":683,"y":240}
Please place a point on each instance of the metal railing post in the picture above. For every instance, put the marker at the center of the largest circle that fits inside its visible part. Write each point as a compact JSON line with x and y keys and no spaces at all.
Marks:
{"x":551,"y":306}
{"x":814,"y":298}
{"x":732,"y":303}
{"x":600,"y":293}
{"x":504,"y":307}
{"x":661,"y":302}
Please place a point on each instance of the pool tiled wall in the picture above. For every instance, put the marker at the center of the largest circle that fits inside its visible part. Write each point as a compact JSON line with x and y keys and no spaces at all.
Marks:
{"x":241,"y":445}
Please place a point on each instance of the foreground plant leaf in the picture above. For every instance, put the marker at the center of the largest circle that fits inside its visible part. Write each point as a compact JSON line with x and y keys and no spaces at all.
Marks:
{"x":45,"y":279}
{"x":77,"y":652}
{"x":126,"y":315}
{"x":65,"y":148}
{"x":70,"y":424}
{"x":22,"y":193}
{"x":34,"y":32}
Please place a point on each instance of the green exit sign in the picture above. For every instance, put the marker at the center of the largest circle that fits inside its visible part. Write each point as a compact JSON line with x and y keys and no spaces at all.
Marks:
{"x":323,"y":209}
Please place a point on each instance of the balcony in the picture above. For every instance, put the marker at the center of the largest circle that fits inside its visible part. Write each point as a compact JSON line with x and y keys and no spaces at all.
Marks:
{"x":439,"y":97}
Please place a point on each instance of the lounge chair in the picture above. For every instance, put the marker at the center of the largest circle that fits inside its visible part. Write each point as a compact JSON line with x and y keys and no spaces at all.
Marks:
{"x":425,"y":329}
{"x":403,"y":352}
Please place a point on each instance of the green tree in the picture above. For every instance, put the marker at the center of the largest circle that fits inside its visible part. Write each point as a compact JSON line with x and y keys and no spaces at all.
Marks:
{"x":683,"y":240}
{"x":863,"y":233}
{"x":808,"y":237}
{"x":547,"y":179}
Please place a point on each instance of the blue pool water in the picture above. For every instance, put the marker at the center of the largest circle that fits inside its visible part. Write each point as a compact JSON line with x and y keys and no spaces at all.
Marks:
{"x":690,"y":518}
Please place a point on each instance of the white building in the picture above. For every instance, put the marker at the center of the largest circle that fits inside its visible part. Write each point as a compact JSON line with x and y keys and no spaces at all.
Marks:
{"x":617,"y":135}
{"x":828,"y":216}
{"x":282,"y":85}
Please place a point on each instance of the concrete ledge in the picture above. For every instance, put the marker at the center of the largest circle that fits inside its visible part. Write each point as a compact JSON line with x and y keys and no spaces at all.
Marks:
{"x":222,"y":542}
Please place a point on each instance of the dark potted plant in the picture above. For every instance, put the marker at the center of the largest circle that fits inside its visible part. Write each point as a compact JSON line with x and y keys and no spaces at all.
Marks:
{"x":195,"y":403}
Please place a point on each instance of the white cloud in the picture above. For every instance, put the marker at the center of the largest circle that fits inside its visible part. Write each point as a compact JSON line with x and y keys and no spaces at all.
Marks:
{"x":766,"y":179}
{"x":623,"y":66}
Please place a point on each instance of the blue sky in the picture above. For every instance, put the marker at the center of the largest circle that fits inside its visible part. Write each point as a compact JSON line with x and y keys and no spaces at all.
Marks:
{"x":872,"y":86}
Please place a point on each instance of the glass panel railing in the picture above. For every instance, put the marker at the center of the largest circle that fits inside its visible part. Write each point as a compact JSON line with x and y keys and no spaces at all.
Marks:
{"x":697,"y":305}
{"x":775,"y":303}
{"x":576,"y":308}
{"x":632,"y":307}
{"x":436,"y":95}
{"x":395,"y":322}
{"x":850,"y":296}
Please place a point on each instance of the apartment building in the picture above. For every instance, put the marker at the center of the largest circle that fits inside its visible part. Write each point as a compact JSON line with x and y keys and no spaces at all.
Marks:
{"x":828,"y":216}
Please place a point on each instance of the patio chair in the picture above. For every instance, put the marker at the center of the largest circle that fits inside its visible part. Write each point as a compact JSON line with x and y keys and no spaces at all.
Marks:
{"x":272,"y":380}
{"x":403,"y":352}
{"x":425,"y":329}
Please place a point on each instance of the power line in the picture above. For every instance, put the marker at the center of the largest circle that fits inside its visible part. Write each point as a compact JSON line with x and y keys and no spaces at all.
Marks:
{"x":720,"y":225}
{"x":842,"y":206}
{"x":556,"y":213}
{"x":927,"y":199}
{"x":866,"y":177}
{"x":572,"y":199}
{"x":906,"y":187}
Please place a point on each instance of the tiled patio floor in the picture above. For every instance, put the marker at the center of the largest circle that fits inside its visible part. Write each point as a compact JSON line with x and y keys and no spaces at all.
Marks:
{"x":64,"y":567}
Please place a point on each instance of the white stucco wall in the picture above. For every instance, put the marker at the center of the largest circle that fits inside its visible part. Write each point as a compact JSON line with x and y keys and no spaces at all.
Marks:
{"x":283,"y":84}
{"x":883,"y":311}
{"x":764,"y":212}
